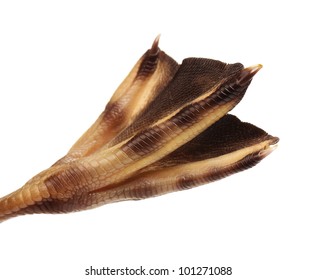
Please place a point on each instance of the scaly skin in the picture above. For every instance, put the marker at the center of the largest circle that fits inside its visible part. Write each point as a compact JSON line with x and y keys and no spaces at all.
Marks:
{"x":166,"y":128}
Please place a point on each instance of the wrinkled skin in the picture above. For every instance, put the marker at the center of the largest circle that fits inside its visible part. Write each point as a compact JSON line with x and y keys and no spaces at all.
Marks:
{"x":165,"y":129}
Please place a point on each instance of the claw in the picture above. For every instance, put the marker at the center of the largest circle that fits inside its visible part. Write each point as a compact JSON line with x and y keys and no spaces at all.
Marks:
{"x":248,"y":73}
{"x":269,"y":149}
{"x":155,"y":46}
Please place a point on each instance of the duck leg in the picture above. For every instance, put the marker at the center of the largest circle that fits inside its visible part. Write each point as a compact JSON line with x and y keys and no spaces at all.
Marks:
{"x":166,"y":128}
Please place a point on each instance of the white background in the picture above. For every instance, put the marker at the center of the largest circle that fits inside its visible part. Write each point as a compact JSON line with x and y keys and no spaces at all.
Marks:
{"x":60,"y":61}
